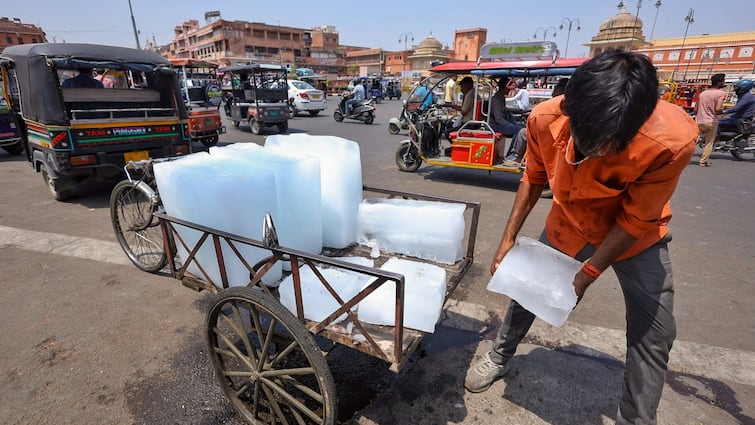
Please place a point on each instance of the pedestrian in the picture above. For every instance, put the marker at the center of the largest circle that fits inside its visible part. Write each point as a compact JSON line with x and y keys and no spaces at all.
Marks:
{"x":708,"y":107}
{"x":612,"y":154}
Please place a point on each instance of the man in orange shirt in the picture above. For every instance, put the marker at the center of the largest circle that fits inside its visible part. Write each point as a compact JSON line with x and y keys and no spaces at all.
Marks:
{"x":612,"y":154}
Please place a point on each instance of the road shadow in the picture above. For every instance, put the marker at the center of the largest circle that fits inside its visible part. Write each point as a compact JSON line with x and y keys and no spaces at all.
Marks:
{"x":470,"y":177}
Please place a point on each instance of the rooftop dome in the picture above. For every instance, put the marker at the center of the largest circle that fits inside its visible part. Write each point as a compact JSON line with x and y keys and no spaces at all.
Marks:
{"x":623,"y":19}
{"x":430,"y":43}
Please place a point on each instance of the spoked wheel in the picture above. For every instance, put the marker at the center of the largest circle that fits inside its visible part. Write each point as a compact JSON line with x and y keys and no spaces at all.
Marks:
{"x":407,"y":157}
{"x":136,"y":229}
{"x":267,"y":362}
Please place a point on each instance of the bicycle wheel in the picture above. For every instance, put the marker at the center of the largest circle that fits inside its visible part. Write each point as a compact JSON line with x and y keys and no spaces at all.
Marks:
{"x":136,"y":229}
{"x":267,"y":362}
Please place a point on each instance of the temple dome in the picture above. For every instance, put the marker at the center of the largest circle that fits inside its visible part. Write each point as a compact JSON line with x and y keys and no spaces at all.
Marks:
{"x":430,"y":43}
{"x":622,"y":20}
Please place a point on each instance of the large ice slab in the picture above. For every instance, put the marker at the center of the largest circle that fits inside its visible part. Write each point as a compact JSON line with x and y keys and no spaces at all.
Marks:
{"x":317,"y":301}
{"x":424,"y":229}
{"x":539,"y":278}
{"x":225,"y":195}
{"x":341,"y":180}
{"x":298,"y":218}
{"x":424,"y":295}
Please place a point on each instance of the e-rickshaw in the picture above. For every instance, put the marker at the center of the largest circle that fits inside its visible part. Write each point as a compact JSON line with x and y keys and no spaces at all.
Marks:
{"x":79,"y":129}
{"x":203,"y":97}
{"x":474,"y":144}
{"x":391,"y":88}
{"x":258,"y":95}
{"x":10,"y":137}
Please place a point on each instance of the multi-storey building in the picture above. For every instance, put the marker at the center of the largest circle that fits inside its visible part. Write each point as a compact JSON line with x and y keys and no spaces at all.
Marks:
{"x":231,"y":42}
{"x":467,"y":43}
{"x":14,"y":32}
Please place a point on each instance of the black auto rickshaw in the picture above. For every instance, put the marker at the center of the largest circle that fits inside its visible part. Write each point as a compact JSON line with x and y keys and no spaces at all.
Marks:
{"x":391,"y":88}
{"x":258,"y":95}
{"x":86,"y":110}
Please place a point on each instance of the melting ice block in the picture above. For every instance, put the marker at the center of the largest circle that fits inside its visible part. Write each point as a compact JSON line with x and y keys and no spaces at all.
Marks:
{"x":539,"y":278}
{"x":423,"y":229}
{"x":341,"y":180}
{"x":298,"y":219}
{"x":317,"y":301}
{"x":424,"y":294}
{"x":224,"y":195}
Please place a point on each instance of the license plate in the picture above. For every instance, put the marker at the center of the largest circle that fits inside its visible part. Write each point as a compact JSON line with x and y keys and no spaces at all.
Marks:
{"x":272,"y":112}
{"x":135,"y":156}
{"x":316,"y":97}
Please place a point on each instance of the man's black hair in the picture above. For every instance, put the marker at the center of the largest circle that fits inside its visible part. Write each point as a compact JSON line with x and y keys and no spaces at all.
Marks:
{"x":717,"y":79}
{"x":608,"y":99}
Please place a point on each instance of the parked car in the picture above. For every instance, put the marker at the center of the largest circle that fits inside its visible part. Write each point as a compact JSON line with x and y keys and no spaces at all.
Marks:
{"x":302,"y":96}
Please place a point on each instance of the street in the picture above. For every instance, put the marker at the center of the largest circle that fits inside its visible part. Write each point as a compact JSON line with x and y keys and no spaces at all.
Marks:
{"x":89,"y":338}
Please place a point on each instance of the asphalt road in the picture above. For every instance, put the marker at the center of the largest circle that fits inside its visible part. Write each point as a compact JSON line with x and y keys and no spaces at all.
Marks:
{"x":88,"y":338}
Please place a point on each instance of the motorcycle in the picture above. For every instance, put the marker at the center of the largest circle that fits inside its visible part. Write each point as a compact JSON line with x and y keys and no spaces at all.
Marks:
{"x":363,"y":111}
{"x":737,"y":143}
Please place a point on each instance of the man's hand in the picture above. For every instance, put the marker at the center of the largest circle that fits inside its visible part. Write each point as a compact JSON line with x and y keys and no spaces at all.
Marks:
{"x":581,"y":282}
{"x":503,"y":249}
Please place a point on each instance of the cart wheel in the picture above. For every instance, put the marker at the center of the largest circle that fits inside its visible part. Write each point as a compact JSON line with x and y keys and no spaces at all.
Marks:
{"x":407,"y":157}
{"x":136,"y":229}
{"x":267,"y":362}
{"x":255,"y":126}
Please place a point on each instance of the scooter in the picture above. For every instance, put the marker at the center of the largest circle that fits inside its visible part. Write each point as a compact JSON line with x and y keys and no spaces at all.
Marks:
{"x":396,"y":124}
{"x":737,"y":143}
{"x":363,"y":111}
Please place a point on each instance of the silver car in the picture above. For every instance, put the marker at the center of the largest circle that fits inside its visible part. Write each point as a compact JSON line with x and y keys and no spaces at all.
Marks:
{"x":303,"y":96}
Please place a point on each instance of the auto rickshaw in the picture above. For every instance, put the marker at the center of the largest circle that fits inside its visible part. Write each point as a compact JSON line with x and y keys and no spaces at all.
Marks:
{"x":74,"y":126}
{"x":203,"y":97}
{"x":258,"y":95}
{"x":391,"y":88}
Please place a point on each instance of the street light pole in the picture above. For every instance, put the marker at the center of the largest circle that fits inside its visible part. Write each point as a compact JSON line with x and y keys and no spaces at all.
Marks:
{"x":657,"y":9}
{"x":702,"y":58}
{"x":545,"y":32}
{"x":568,"y":34}
{"x":133,"y":23}
{"x":690,"y":19}
{"x":405,"y":36}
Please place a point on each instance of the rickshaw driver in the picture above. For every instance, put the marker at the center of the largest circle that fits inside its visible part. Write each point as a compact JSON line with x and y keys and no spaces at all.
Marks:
{"x":612,"y":164}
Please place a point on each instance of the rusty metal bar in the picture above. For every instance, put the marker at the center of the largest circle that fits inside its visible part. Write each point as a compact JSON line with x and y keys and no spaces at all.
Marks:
{"x":221,"y":261}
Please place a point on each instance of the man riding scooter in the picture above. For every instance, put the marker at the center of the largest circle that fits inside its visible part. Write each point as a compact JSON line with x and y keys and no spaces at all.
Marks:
{"x":745,"y":107}
{"x":357,"y":96}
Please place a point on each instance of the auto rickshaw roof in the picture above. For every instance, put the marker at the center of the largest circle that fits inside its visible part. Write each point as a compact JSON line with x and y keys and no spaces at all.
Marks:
{"x":559,"y":66}
{"x":81,"y":54}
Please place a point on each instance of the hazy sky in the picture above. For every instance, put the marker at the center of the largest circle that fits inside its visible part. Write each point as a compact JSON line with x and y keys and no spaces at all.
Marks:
{"x":378,"y":23}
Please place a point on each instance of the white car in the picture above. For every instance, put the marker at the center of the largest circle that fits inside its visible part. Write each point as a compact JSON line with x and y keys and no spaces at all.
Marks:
{"x":305,"y":98}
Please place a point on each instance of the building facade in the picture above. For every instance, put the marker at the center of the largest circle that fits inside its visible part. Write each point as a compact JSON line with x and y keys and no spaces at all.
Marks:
{"x":14,"y":32}
{"x":696,"y":58}
{"x":467,"y":43}
{"x":232,"y":42}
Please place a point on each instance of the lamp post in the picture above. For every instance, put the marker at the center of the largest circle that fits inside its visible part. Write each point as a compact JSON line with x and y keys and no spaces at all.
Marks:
{"x":657,"y":9}
{"x":568,"y":34}
{"x":704,"y":56}
{"x":55,"y":38}
{"x":545,"y":32}
{"x":405,"y":36}
{"x":690,"y":19}
{"x":133,"y":23}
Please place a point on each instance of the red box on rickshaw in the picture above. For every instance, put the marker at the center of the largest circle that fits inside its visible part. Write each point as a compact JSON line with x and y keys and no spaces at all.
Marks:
{"x":474,"y":146}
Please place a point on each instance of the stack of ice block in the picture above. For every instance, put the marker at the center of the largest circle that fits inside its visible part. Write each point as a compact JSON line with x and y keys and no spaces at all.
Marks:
{"x":424,"y":294}
{"x":317,"y":302}
{"x":424,"y":229}
{"x":223,"y":194}
{"x":539,"y":278}
{"x":341,"y":179}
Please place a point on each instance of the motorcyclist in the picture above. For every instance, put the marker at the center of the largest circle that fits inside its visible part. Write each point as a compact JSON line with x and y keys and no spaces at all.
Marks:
{"x":357,"y":95}
{"x":745,"y":107}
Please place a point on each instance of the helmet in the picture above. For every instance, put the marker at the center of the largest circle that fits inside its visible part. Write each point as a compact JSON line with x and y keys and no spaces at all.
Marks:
{"x":743,"y":85}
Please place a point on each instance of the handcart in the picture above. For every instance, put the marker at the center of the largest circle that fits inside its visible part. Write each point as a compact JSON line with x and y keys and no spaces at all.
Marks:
{"x":267,"y":358}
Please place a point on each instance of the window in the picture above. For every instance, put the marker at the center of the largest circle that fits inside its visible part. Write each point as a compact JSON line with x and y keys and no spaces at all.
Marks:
{"x":658,"y":56}
{"x":689,"y":54}
{"x":745,"y":52}
{"x":9,"y":40}
{"x":673,"y":56}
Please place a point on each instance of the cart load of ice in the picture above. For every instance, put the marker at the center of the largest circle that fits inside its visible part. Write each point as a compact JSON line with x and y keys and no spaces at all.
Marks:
{"x":311,"y":187}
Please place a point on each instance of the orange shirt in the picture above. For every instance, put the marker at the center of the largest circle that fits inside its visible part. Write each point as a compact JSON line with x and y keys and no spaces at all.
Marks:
{"x":631,"y":189}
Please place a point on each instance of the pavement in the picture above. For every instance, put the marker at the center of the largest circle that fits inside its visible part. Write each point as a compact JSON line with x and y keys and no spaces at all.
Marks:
{"x":567,"y":375}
